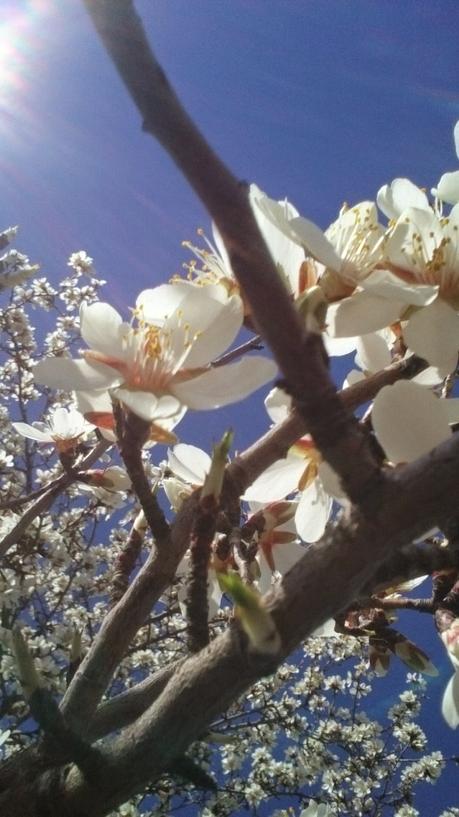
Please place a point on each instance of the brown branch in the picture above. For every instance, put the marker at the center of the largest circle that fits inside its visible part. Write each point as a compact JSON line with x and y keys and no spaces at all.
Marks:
{"x":322,"y":584}
{"x":197,"y":604}
{"x":127,"y":558}
{"x":299,"y":353}
{"x":132,"y":433}
{"x":274,"y":445}
{"x":46,"y":499}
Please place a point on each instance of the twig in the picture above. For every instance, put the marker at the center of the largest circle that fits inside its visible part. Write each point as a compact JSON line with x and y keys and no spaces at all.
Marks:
{"x":299,"y":353}
{"x":46,"y":499}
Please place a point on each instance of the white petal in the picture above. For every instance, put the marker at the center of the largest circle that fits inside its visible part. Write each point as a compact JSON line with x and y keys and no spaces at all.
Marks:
{"x":448,"y":188}
{"x":315,"y":242}
{"x":313,"y":512}
{"x":450,"y":702}
{"x":225,"y":384}
{"x":331,"y":483}
{"x":285,"y":253}
{"x":286,"y":555}
{"x":337,"y":347}
{"x":93,"y":401}
{"x":156,"y":305}
{"x":433,"y":333}
{"x":190,"y":463}
{"x":414,"y":239}
{"x":218,"y":324}
{"x":385,"y":283}
{"x":402,"y":193}
{"x":102,"y":328}
{"x":33,"y":433}
{"x":68,"y":374}
{"x":360,"y":314}
{"x":142,"y":403}
{"x":451,"y":407}
{"x":456,"y":138}
{"x":372,"y":352}
{"x":279,"y":480}
{"x":408,"y":421}
{"x":278,"y":404}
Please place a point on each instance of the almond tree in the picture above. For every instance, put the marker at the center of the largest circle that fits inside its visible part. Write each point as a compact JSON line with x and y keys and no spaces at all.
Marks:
{"x":393,"y":477}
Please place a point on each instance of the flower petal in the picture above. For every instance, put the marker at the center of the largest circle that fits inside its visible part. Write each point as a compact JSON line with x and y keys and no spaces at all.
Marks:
{"x":286,"y":254}
{"x":286,"y":555}
{"x":385,"y":283}
{"x":408,"y":421}
{"x":360,"y":314}
{"x":102,"y":328}
{"x":157,"y":304}
{"x":66,"y":373}
{"x":33,"y":433}
{"x":433,"y":333}
{"x":448,"y":188}
{"x":311,"y":237}
{"x":401,"y":193}
{"x":372,"y":352}
{"x":278,"y":404}
{"x":279,"y":480}
{"x":218,"y":325}
{"x":188,"y":462}
{"x":313,"y":511}
{"x":225,"y":384}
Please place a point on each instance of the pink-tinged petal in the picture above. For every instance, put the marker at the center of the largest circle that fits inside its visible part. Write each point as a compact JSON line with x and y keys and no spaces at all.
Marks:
{"x":279,"y":480}
{"x":65,"y":373}
{"x":189,"y":463}
{"x":223,"y":385}
{"x":384,"y":283}
{"x":313,"y":512}
{"x":337,"y":347}
{"x":372,"y":352}
{"x":433,"y":333}
{"x":218,"y":324}
{"x":287,"y":555}
{"x":102,"y":328}
{"x":311,"y":237}
{"x":450,"y":702}
{"x":448,"y":188}
{"x":158,"y":304}
{"x":393,"y":198}
{"x":360,"y":314}
{"x":33,"y":433}
{"x":278,"y":404}
{"x":408,"y":421}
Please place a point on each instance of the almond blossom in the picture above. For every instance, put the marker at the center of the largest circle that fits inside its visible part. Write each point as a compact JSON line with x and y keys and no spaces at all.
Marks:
{"x":64,"y":429}
{"x":288,"y":255}
{"x":448,"y":186}
{"x":301,"y":471}
{"x":163,"y":360}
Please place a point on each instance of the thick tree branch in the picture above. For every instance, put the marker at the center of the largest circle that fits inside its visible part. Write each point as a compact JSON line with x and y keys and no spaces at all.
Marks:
{"x":300,"y":354}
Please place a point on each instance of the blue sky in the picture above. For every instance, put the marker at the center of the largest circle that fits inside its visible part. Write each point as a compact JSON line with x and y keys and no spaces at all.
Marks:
{"x":322,"y":102}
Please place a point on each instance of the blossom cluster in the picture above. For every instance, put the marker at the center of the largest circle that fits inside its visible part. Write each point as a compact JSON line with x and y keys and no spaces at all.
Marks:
{"x":383,"y":286}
